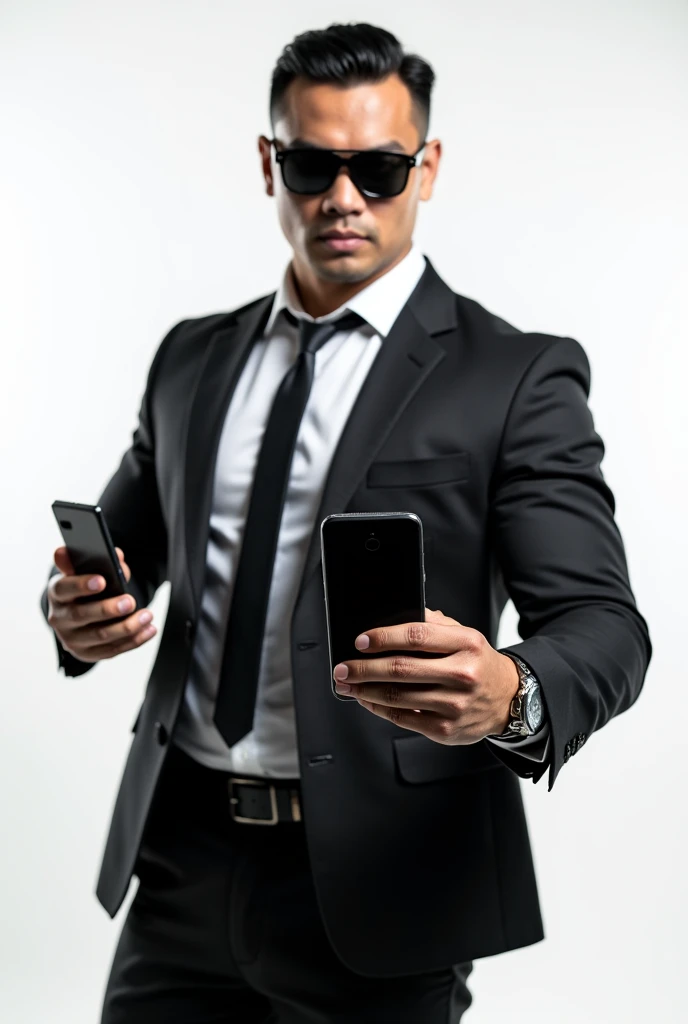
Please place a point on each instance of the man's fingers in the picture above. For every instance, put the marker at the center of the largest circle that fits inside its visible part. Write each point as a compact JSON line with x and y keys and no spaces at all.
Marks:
{"x":127,"y":644}
{"x":423,"y":722}
{"x":101,"y":651}
{"x":80,"y":624}
{"x":67,"y":588}
{"x":410,"y":697}
{"x":93,"y":637}
{"x":99,"y":611}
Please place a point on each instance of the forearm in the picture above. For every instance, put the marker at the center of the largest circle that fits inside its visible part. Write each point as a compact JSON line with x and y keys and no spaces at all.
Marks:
{"x":591,"y":663}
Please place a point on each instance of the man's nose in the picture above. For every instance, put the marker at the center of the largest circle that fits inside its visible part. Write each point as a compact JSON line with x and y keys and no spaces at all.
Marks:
{"x":343,"y":195}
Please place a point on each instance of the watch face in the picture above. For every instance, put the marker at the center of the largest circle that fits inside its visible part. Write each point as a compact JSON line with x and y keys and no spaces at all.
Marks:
{"x":534,"y":709}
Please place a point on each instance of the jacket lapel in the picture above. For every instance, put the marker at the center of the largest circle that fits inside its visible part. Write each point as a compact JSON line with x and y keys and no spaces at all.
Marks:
{"x":407,"y":355}
{"x":224,"y":360}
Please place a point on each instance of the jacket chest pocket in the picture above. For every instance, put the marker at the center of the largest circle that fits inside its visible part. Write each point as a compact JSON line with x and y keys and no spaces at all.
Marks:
{"x":443,"y":469}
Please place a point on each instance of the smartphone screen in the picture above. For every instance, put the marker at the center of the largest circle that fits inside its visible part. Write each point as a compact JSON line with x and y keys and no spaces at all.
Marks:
{"x":373,"y":576}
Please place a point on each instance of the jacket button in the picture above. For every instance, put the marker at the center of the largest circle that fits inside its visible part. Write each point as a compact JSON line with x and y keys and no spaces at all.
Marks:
{"x":189,"y":629}
{"x":161,"y":733}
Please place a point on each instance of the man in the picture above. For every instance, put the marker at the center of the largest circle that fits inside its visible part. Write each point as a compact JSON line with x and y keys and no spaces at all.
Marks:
{"x":397,"y":850}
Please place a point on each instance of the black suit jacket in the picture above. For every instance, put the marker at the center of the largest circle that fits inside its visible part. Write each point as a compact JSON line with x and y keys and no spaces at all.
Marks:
{"x":420,"y":851}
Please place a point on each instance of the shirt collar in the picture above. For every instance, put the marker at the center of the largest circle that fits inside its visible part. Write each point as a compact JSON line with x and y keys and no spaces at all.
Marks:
{"x":380,"y":303}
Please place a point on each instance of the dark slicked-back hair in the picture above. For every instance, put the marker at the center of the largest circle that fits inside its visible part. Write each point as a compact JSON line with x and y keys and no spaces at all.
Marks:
{"x":349,"y":55}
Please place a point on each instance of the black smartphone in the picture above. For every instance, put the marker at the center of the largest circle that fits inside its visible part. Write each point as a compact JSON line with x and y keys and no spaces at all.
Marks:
{"x":90,"y":546}
{"x":373,"y":575}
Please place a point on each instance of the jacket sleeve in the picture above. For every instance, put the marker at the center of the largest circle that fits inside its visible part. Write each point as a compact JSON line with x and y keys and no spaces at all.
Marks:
{"x":131,"y":505}
{"x":562,"y":556}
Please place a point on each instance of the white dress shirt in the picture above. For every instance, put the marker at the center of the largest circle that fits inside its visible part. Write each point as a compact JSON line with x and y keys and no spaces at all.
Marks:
{"x":341,"y":367}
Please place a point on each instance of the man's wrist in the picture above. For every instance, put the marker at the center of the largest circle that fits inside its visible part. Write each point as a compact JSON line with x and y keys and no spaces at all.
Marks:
{"x":514,"y":677}
{"x":526,"y":711}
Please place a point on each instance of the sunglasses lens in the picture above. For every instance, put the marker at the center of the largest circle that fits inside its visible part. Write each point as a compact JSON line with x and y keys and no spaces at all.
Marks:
{"x":380,"y":174}
{"x":312,"y":171}
{"x":308,"y":172}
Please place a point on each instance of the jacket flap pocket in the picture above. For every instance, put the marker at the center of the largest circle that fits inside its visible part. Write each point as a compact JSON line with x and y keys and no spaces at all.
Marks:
{"x":419,"y":472}
{"x":422,"y":760}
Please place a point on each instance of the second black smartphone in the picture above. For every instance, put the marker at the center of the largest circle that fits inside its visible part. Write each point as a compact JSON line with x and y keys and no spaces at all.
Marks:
{"x":87,"y":538}
{"x":373,"y":575}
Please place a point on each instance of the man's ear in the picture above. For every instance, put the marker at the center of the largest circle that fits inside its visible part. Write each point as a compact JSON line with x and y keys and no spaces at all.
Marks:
{"x":265,"y":150}
{"x":429,"y":168}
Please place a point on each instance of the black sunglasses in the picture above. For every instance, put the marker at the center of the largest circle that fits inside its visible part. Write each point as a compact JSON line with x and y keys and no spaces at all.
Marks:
{"x":376,"y":173}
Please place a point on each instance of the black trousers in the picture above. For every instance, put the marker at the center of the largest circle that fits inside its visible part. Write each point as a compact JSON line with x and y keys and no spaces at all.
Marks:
{"x":225,"y":928}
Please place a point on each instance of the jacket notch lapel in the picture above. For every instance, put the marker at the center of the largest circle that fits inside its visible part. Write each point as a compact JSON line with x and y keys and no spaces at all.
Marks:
{"x":225,"y":357}
{"x":407,"y":356}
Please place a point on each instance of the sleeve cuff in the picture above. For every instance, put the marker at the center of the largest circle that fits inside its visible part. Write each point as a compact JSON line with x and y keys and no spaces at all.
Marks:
{"x":535,"y":747}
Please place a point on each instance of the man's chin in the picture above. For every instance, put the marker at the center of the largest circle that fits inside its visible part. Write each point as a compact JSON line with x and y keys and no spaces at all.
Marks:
{"x":342,"y":267}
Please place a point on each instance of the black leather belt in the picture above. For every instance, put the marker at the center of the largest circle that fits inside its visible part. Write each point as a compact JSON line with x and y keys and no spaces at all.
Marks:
{"x":259,"y":802}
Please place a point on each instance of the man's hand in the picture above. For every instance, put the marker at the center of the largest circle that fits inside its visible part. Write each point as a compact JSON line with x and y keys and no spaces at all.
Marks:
{"x":456,"y":699}
{"x":79,"y":626}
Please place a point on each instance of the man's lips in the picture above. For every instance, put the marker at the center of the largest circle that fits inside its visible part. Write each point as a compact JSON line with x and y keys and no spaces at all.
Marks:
{"x":342,"y":243}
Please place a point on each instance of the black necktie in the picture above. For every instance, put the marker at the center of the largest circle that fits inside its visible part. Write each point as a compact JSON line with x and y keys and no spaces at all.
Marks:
{"x":238,"y":683}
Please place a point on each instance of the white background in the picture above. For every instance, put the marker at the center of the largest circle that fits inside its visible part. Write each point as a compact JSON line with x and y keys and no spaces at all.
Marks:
{"x":131,"y":196}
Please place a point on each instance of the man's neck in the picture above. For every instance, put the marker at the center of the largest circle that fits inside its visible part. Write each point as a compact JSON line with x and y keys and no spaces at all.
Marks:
{"x":319,"y":297}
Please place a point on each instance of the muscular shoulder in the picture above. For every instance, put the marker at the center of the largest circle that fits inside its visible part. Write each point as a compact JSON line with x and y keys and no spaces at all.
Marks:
{"x":508,"y":351}
{"x":197,"y":328}
{"x":187,"y":339}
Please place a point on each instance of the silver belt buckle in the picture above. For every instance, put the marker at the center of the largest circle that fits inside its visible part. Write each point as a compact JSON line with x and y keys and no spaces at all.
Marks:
{"x":233,"y":801}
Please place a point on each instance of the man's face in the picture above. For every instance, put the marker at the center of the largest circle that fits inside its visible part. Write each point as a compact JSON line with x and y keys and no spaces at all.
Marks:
{"x":368,"y":116}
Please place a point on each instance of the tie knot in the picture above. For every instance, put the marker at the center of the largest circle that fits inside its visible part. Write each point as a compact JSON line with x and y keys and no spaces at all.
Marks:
{"x":313,"y":335}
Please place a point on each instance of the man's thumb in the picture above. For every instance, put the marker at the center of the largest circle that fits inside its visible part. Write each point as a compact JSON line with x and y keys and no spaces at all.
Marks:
{"x":63,"y":561}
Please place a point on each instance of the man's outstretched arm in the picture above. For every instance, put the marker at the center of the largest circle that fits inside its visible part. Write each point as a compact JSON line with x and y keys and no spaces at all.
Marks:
{"x":131,"y":505}
{"x":562,"y":557}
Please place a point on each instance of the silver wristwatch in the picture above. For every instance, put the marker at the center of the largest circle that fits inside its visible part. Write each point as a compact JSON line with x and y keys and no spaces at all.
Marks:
{"x":527,"y":710}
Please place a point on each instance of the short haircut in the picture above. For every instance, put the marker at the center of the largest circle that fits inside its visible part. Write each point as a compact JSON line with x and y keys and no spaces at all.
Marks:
{"x":349,"y":55}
